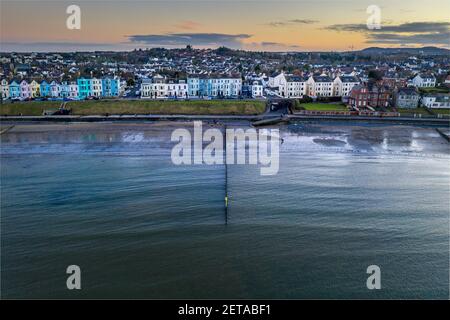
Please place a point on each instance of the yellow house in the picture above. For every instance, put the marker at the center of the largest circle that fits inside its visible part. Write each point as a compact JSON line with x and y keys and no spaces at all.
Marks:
{"x":35,"y":89}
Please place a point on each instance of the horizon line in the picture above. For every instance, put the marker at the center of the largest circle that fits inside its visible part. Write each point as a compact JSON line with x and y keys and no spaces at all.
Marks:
{"x":234,"y":49}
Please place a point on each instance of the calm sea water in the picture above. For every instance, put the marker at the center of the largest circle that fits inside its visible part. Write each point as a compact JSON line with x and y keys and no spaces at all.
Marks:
{"x":106,"y":197}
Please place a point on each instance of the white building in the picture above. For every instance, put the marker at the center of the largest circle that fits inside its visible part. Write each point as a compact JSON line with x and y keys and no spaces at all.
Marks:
{"x":96,"y":87}
{"x":423,"y":81}
{"x":177,"y":89}
{"x":293,"y":87}
{"x":436,"y":101}
{"x":257,"y":89}
{"x":161,"y":88}
{"x":4,"y":88}
{"x":55,"y":89}
{"x":342,"y":85}
{"x":276,"y":80}
{"x":447,"y":80}
{"x":226,"y":86}
{"x":319,"y":86}
{"x":73,"y":90}
{"x":147,"y":88}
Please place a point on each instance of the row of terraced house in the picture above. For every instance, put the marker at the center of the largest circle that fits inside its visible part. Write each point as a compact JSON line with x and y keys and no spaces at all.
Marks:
{"x":227,"y":86}
{"x":214,"y":86}
{"x":82,"y":88}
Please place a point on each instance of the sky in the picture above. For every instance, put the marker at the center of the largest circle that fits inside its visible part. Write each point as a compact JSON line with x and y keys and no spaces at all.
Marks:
{"x":294,"y":25}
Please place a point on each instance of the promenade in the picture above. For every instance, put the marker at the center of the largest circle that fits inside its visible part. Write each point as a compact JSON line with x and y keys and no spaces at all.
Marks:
{"x":267,"y":117}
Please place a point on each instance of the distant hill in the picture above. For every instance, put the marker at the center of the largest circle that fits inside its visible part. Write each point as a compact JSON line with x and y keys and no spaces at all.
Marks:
{"x":423,"y":50}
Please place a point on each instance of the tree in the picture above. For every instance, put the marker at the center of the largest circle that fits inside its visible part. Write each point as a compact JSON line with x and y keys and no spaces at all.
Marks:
{"x":130,"y":82}
{"x":375,"y":75}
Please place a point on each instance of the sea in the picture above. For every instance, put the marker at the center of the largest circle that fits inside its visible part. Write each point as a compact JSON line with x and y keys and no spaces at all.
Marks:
{"x":106,"y":197}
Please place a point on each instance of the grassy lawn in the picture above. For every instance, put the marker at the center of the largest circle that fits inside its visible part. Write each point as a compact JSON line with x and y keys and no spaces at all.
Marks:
{"x":324,"y":107}
{"x":413,"y":111}
{"x":441,"y":111}
{"x":102,"y":107}
{"x":434,"y":90}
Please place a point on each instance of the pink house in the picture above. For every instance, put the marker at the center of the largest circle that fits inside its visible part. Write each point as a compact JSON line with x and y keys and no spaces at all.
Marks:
{"x":25,"y":90}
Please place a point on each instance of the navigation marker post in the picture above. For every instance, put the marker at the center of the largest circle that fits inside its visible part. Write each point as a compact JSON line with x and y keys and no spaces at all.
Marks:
{"x":226,"y":175}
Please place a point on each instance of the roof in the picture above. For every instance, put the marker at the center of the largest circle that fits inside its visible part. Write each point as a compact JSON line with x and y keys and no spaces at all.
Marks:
{"x":295,"y":79}
{"x":440,"y":97}
{"x":371,"y":87}
{"x":408,"y":91}
{"x":23,"y":67}
{"x":275,"y":74}
{"x":425,"y":76}
{"x":349,"y":79}
{"x":215,"y":76}
{"x":322,"y":79}
{"x":258,"y":82}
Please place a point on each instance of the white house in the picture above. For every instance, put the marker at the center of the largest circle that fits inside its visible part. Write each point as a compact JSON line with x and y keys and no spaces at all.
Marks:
{"x":293,"y":87}
{"x":447,"y":81}
{"x":73,"y":90}
{"x":257,"y":89}
{"x":342,"y":85}
{"x":146,"y":88}
{"x":319,"y":86}
{"x":276,"y":80}
{"x":436,"y":101}
{"x":161,"y":88}
{"x":4,"y":88}
{"x":96,"y":87}
{"x":226,"y":86}
{"x":55,"y":89}
{"x":423,"y":81}
{"x":177,"y":89}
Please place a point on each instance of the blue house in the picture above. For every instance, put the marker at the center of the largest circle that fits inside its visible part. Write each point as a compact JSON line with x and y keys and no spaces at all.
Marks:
{"x":110,"y":87}
{"x":14,"y":90}
{"x":45,"y":89}
{"x":84,"y":88}
{"x":64,"y":90}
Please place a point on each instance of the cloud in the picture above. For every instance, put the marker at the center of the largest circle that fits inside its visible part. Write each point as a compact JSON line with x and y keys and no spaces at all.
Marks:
{"x":187,"y":25}
{"x":182,"y":39}
{"x":264,"y":45}
{"x":425,"y":39}
{"x":291,"y":22}
{"x":278,"y":44}
{"x":424,"y":33}
{"x":269,"y":43}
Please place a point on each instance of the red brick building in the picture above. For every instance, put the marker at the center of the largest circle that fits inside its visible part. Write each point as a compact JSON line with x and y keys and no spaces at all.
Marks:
{"x":369,"y":96}
{"x":394,"y":83}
